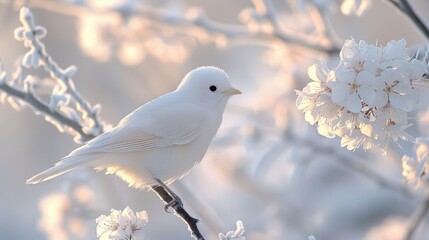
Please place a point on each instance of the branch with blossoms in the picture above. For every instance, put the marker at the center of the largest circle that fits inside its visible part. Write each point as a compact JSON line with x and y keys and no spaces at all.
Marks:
{"x":127,"y":225}
{"x":365,"y":101}
{"x":67,"y":109}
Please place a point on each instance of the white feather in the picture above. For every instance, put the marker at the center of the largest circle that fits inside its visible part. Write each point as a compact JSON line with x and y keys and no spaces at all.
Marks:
{"x":162,"y":139}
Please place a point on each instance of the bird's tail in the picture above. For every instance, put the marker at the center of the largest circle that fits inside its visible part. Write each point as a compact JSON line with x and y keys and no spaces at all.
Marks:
{"x":61,"y":167}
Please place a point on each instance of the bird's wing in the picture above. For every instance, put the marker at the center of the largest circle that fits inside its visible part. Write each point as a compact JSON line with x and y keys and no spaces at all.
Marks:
{"x":144,"y":130}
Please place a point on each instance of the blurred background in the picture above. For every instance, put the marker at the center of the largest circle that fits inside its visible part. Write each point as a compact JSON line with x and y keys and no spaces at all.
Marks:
{"x":266,"y":167}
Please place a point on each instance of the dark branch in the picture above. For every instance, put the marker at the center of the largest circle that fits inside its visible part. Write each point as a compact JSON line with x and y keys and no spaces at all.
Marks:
{"x":417,"y":218}
{"x":180,"y":211}
{"x":405,"y":7}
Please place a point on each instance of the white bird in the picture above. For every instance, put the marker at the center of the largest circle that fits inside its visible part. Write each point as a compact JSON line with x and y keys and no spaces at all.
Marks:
{"x":161,"y":140}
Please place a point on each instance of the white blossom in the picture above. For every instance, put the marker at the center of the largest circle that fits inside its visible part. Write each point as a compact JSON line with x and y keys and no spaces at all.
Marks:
{"x":238,"y":234}
{"x":394,"y":87}
{"x":351,"y":88}
{"x":366,"y":99}
{"x":122,"y":225}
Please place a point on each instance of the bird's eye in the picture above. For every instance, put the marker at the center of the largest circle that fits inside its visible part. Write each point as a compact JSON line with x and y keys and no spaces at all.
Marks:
{"x":213,"y":88}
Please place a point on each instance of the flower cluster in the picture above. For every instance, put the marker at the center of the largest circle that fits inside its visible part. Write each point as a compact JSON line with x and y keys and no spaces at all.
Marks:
{"x":122,"y":225}
{"x":366,"y":99}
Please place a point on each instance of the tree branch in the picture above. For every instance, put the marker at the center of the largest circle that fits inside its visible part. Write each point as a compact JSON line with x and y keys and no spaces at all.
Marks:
{"x":198,"y":22}
{"x":352,"y":163}
{"x":180,"y":212}
{"x":267,"y":8}
{"x":417,"y":218}
{"x":30,"y":34}
{"x":405,"y":7}
{"x":41,"y":107}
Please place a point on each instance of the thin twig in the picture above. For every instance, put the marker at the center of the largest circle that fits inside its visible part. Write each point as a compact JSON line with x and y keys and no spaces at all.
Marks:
{"x":405,"y":7}
{"x":180,"y":211}
{"x":54,"y":70}
{"x":179,"y":22}
{"x":417,"y":218}
{"x":352,"y":163}
{"x":58,"y":74}
{"x":40,"y":106}
{"x":31,"y":34}
{"x":270,"y":14}
{"x":203,"y":210}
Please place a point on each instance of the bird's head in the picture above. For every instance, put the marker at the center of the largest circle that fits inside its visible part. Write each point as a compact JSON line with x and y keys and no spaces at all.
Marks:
{"x":208,"y":86}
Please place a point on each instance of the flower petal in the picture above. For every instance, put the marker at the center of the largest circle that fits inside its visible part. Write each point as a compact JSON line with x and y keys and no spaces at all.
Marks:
{"x":345,"y":75}
{"x":379,"y":84}
{"x":398,"y":116}
{"x":403,"y":88}
{"x":314,"y":87}
{"x":340,"y":92}
{"x":410,"y":101}
{"x":367,"y":94}
{"x":348,"y":49}
{"x":353,"y":103}
{"x":317,"y":73}
{"x":417,"y":69}
{"x":365,"y":78}
{"x":381,"y":99}
{"x":389,"y":76}
{"x":394,"y":49}
{"x":397,"y":101}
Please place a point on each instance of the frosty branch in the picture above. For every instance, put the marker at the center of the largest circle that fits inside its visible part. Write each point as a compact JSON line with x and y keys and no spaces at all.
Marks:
{"x":180,"y":211}
{"x":195,"y":22}
{"x":22,"y":92}
{"x":81,"y":120}
{"x":40,"y":107}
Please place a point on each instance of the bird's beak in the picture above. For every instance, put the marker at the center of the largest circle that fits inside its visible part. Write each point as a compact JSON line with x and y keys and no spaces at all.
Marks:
{"x":231,"y":91}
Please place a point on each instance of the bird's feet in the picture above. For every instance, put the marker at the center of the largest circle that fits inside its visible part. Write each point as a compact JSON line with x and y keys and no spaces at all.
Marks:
{"x":175,"y":202}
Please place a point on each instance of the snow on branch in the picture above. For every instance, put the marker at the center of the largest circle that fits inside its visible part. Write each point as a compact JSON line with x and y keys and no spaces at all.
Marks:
{"x":146,"y":25}
{"x":66,"y":108}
